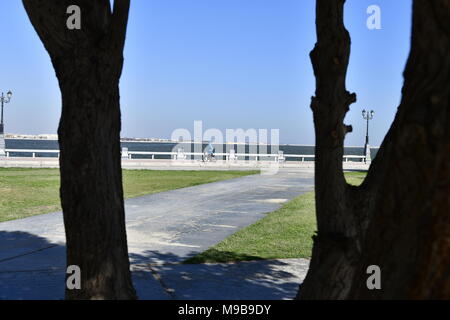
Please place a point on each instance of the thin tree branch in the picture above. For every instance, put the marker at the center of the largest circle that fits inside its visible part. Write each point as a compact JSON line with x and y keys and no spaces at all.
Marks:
{"x":119,"y":24}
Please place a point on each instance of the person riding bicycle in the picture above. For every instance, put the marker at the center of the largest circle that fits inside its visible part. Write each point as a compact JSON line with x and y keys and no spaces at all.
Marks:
{"x":209,"y":152}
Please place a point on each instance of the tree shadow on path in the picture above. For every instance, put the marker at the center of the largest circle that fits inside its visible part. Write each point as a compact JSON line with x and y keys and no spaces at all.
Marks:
{"x":250,"y":280}
{"x":32,"y":268}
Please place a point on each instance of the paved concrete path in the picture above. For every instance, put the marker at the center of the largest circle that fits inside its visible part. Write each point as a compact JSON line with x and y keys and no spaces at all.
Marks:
{"x":163,"y":230}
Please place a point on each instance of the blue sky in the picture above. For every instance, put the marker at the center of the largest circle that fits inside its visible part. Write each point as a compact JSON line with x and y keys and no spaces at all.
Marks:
{"x":230,"y":63}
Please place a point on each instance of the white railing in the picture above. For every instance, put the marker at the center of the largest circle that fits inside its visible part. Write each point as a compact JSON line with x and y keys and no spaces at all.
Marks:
{"x":278,"y":157}
{"x":181,"y":155}
{"x":29,"y":151}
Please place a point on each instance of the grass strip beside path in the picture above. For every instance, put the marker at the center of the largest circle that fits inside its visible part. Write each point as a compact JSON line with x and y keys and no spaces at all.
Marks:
{"x":29,"y":192}
{"x":284,"y":233}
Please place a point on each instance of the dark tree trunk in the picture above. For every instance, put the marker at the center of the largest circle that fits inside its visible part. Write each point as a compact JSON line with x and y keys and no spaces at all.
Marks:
{"x":336,"y":243}
{"x":409,"y":234}
{"x":399,"y":217}
{"x":88,"y":65}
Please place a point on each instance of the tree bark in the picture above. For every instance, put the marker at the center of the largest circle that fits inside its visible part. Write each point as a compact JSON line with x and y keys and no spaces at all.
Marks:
{"x":88,"y":65}
{"x":398,"y":218}
{"x":409,"y":235}
{"x":335,"y":249}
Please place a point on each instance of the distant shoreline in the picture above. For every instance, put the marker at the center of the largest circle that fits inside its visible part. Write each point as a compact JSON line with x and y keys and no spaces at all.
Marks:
{"x":188,"y":142}
{"x":145,"y":141}
{"x":122,"y":140}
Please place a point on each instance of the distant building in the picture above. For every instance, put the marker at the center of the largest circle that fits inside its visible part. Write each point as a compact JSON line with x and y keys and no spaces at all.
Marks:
{"x":31,"y":136}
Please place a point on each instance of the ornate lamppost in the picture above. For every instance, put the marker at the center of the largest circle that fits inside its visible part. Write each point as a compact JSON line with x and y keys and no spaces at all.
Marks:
{"x":367,"y":115}
{"x":3,"y":99}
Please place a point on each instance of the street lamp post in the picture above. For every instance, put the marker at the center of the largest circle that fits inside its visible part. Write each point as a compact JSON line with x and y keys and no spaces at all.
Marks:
{"x":367,"y":115}
{"x":3,"y":99}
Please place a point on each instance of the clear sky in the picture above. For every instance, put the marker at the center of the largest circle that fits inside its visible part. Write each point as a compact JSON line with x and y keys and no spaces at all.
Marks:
{"x":230,"y":63}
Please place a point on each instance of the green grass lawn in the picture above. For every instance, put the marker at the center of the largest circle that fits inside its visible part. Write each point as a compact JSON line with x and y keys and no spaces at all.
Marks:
{"x":284,"y":233}
{"x":28,"y":192}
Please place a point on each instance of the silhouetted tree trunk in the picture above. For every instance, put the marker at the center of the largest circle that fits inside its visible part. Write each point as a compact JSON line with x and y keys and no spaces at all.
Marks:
{"x":399,"y":217}
{"x":409,"y":234}
{"x":88,"y":64}
{"x":335,"y":246}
